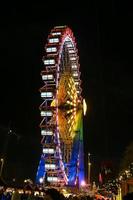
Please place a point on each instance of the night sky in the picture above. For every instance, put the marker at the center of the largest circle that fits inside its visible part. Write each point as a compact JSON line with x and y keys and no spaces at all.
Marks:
{"x":104,"y":37}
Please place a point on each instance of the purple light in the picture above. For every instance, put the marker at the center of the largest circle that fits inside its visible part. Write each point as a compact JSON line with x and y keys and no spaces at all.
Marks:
{"x":82,"y":183}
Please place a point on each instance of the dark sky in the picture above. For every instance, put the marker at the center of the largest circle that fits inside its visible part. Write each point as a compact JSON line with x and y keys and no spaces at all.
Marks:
{"x":104,"y":38}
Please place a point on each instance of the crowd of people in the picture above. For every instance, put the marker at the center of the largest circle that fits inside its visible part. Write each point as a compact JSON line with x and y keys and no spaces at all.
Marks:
{"x":44,"y":193}
{"x":50,"y":194}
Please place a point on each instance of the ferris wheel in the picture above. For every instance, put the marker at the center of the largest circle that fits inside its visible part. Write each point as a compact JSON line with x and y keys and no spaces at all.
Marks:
{"x":62,"y":159}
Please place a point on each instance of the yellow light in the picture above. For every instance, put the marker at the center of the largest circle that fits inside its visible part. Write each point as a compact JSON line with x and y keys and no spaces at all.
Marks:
{"x":68,"y":92}
{"x":69,"y":121}
{"x":53,"y":103}
{"x":69,"y":111}
{"x":84,"y":107}
{"x":68,"y":101}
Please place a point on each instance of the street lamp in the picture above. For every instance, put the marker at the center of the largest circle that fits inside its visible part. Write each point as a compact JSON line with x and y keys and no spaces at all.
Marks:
{"x":5,"y":147}
{"x":1,"y":167}
{"x":89,"y":168}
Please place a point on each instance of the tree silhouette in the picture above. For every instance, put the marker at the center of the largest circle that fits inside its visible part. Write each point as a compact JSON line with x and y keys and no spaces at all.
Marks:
{"x":127,"y":157}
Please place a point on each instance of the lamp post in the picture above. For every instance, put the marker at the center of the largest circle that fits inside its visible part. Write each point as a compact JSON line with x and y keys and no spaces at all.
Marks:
{"x":5,"y":147}
{"x":1,"y":167}
{"x":89,"y":168}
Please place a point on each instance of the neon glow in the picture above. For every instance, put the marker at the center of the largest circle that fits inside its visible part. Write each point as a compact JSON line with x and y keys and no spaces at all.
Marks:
{"x":84,"y":107}
{"x":41,"y":180}
{"x":83,"y":183}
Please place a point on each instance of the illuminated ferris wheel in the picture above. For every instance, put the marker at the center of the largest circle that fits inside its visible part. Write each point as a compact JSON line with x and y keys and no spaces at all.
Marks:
{"x":62,"y":159}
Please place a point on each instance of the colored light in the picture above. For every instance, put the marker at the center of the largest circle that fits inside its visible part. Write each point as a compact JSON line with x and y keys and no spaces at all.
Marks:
{"x":41,"y":180}
{"x":84,"y":107}
{"x":83,"y":183}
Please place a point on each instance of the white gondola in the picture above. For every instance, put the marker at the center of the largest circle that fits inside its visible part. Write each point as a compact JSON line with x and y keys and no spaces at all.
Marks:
{"x":53,"y":40}
{"x":71,"y":51}
{"x":51,"y":49}
{"x":46,"y":113}
{"x":52,"y":179}
{"x":48,"y":150}
{"x":47,"y":77}
{"x":46,"y":94}
{"x":74,"y":66}
{"x":46,"y":132}
{"x":73,"y":58}
{"x":56,"y":33}
{"x":50,"y":166}
{"x":76,"y":83}
{"x":75,"y":74}
{"x":49,"y":62}
{"x":69,"y":45}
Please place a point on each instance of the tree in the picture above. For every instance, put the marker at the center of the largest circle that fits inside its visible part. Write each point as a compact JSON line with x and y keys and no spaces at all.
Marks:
{"x":127,"y":157}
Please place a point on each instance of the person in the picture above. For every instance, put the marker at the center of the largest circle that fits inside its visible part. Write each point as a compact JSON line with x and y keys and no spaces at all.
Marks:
{"x":4,"y":194}
{"x":24,"y":196}
{"x":128,"y":196}
{"x":53,"y":194}
{"x":16,"y":195}
{"x":31,"y":196}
